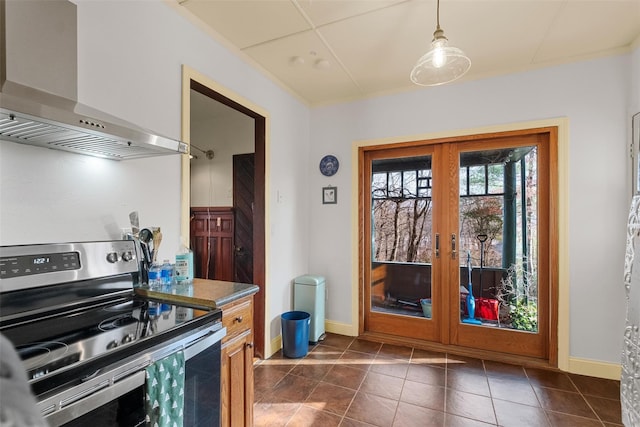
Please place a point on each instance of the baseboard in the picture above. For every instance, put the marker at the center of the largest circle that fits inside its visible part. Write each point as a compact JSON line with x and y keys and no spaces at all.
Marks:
{"x":340,"y":328}
{"x":594,"y":368}
{"x":275,"y":345}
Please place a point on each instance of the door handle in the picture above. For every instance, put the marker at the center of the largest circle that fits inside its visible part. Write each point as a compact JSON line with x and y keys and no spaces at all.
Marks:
{"x":437,"y":245}
{"x":453,"y":246}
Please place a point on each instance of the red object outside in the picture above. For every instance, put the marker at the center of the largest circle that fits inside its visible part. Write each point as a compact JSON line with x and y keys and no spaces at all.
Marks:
{"x":487,"y":308}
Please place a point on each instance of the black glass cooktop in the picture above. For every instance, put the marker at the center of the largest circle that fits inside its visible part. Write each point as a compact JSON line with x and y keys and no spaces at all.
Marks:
{"x":98,"y":331}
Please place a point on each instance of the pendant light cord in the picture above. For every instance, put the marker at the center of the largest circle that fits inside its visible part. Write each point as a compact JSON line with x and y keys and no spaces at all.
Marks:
{"x":437,"y":14}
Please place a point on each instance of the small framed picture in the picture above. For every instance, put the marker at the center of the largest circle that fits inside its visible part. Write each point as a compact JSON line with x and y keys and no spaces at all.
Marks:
{"x":329,"y":195}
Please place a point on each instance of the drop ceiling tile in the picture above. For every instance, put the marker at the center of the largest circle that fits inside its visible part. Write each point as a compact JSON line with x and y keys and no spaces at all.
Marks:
{"x":316,"y":84}
{"x":249,"y":22}
{"x":588,"y":27}
{"x":374,"y":47}
{"x":507,"y":37}
{"x":322,"y":12}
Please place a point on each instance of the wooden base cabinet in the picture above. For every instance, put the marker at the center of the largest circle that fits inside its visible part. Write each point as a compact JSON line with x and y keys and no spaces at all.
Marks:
{"x":237,"y":364}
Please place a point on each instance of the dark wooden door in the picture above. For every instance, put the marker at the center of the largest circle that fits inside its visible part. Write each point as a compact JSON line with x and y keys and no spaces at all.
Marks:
{"x":243,"y":207}
{"x":212,"y":238}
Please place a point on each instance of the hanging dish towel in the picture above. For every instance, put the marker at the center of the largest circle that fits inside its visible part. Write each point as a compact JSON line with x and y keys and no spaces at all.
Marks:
{"x":164,"y":401}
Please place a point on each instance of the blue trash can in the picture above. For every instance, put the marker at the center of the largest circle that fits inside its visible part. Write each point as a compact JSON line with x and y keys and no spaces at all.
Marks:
{"x":295,"y":333}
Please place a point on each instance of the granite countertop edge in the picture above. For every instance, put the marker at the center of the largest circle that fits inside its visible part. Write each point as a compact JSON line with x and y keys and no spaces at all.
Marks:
{"x":203,"y":292}
{"x":241,"y":293}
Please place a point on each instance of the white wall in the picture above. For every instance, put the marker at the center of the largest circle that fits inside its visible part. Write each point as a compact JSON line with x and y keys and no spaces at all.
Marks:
{"x":129,"y":64}
{"x":594,"y":97}
{"x":212,"y":179}
{"x":52,"y":196}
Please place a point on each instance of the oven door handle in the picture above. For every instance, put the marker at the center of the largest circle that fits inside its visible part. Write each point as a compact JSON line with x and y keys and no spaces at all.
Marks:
{"x":99,"y":398}
{"x":204,"y":342}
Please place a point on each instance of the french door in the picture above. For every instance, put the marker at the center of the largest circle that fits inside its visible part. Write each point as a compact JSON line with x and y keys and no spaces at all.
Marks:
{"x":458,"y":241}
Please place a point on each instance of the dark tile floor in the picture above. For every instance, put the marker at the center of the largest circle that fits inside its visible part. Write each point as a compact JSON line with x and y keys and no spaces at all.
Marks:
{"x":349,"y":382}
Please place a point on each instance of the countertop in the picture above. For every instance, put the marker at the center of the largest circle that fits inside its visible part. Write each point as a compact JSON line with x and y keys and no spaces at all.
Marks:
{"x":203,"y":292}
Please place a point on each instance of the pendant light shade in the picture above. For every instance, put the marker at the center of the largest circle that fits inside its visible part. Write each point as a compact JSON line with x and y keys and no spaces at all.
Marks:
{"x":442,"y":64}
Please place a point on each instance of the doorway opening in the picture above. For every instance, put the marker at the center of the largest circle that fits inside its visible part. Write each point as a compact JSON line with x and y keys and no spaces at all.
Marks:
{"x":229,"y":244}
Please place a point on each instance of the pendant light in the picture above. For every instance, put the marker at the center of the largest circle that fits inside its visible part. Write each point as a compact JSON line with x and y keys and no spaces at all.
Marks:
{"x":442,"y":64}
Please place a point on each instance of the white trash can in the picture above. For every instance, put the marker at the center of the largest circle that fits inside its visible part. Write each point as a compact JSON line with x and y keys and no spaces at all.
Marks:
{"x":309,"y":295}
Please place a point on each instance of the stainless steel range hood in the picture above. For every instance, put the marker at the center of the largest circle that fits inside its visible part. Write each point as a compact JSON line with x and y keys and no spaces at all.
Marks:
{"x":38,"y":99}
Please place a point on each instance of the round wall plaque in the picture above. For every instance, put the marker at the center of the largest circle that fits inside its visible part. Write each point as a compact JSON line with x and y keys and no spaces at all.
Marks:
{"x":329,"y":165}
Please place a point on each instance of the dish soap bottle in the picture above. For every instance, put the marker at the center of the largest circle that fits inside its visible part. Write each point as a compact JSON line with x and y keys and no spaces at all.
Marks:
{"x":184,"y":265}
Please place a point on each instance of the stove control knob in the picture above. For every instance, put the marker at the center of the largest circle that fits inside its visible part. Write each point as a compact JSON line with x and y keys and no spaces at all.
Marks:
{"x":113,"y":344}
{"x":112,"y":257}
{"x":128,"y":338}
{"x":127,"y":256}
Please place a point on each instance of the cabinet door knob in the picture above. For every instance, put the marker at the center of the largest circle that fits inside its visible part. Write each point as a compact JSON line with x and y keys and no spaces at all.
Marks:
{"x":250,"y":344}
{"x":239,"y":319}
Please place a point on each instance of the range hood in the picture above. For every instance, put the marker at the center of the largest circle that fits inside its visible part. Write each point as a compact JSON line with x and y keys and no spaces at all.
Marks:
{"x":38,"y":100}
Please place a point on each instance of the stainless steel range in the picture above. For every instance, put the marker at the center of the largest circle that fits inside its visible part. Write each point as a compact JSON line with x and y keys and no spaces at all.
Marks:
{"x":85,"y":338}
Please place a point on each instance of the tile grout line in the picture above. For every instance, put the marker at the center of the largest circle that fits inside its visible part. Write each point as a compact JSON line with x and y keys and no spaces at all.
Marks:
{"x":290,"y":372}
{"x":544,"y":410}
{"x":493,"y":403}
{"x":586,"y":401}
{"x":357,"y":390}
{"x":404,"y":382}
{"x":344,"y":415}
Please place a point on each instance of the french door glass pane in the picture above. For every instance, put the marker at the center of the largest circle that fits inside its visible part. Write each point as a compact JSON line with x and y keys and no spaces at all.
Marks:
{"x":401,"y":230}
{"x":498,"y":238}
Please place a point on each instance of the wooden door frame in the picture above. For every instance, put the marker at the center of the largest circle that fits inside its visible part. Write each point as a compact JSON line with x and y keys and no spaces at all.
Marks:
{"x":558,"y":254}
{"x":191,"y":79}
